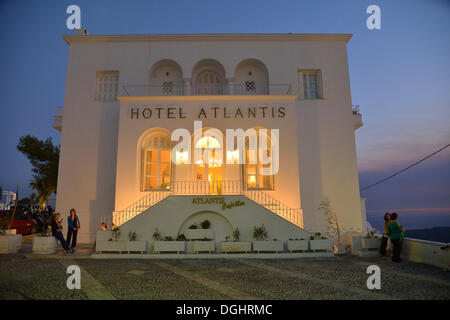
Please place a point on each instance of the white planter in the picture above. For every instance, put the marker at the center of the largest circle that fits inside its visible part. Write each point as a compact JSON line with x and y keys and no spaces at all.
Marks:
{"x":10,"y":243}
{"x":268,"y":246}
{"x":44,"y":245}
{"x":169,"y":246}
{"x":321,"y":244}
{"x":201,"y":246}
{"x":198,"y":234}
{"x":135,"y":246}
{"x":235,"y":247}
{"x":103,"y":235}
{"x":297,"y":245}
{"x":371,"y":243}
{"x":109,"y":246}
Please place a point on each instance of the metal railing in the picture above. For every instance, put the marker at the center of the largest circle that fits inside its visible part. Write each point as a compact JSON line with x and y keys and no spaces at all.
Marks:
{"x":269,"y":202}
{"x":120,"y":217}
{"x":227,"y":187}
{"x":206,"y":89}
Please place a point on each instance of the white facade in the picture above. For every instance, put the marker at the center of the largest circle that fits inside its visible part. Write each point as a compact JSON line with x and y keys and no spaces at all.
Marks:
{"x":126,"y":94}
{"x":7,"y":200}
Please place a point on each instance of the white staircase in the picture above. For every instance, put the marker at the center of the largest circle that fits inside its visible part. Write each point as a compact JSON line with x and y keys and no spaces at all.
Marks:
{"x":269,"y":202}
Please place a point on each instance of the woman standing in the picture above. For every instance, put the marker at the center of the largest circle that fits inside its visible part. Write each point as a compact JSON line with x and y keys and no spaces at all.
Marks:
{"x":73,"y":226}
{"x":396,"y":234}
{"x":384,"y":240}
{"x":57,"y":231}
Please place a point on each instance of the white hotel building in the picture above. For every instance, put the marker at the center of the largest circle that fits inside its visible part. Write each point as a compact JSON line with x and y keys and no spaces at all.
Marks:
{"x":126,"y":94}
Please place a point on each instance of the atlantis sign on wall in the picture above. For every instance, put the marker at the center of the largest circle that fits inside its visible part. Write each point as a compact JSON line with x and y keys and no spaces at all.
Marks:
{"x":206,"y":112}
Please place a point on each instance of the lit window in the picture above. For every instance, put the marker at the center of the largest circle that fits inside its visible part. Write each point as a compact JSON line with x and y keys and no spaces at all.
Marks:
{"x":157,"y":164}
{"x":254,"y":178}
{"x":107,"y":83}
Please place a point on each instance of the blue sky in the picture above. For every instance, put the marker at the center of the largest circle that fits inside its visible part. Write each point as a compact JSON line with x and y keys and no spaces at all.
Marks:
{"x":400,"y":75}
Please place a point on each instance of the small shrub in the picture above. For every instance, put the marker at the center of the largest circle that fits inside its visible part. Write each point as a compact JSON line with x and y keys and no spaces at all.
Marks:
{"x":156,"y":235}
{"x":193,"y":226}
{"x":236,"y":234}
{"x":260,"y":233}
{"x":115,"y":233}
{"x":181,"y":237}
{"x":168,"y":238}
{"x":205,"y":224}
{"x":132,"y":236}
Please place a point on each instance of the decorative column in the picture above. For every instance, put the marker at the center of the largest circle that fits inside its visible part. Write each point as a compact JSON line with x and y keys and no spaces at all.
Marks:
{"x":187,"y":86}
{"x":230,"y":82}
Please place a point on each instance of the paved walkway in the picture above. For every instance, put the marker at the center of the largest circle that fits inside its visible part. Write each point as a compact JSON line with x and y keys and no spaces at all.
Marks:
{"x":26,"y":276}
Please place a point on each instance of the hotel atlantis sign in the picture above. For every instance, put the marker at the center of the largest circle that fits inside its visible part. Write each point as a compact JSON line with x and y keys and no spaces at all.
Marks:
{"x":206,"y":112}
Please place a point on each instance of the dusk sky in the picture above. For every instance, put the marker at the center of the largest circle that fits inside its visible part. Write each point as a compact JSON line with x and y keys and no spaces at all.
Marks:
{"x":400,"y":77}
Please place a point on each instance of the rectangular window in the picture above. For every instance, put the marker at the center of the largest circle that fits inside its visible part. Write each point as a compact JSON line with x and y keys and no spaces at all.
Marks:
{"x":312,"y":84}
{"x":157,"y":169}
{"x":107,"y":84}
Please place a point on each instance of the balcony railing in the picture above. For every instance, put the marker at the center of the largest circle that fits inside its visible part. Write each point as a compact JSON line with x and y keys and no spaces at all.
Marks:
{"x":207,"y":90}
{"x":207,"y":187}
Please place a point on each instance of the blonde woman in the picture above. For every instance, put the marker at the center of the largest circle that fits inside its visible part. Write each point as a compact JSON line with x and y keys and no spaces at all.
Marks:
{"x":57,"y":231}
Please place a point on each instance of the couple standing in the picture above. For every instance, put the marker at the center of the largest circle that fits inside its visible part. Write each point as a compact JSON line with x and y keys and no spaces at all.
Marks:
{"x":394,"y":233}
{"x":73,"y":224}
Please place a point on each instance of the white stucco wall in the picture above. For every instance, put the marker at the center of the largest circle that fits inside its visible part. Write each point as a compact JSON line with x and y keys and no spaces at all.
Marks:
{"x":92,"y":145}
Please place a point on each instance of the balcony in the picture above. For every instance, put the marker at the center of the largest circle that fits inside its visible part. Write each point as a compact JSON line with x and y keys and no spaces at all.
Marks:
{"x":169,"y":89}
{"x":58,"y":119}
{"x":357,"y":117}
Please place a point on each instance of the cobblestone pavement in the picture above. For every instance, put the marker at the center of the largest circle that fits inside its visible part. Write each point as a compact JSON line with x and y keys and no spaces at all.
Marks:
{"x":31,"y":277}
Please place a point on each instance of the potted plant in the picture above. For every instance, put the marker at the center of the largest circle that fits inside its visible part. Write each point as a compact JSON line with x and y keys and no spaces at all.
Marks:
{"x":371,"y":242}
{"x":320,"y":243}
{"x":261,"y":244}
{"x":297,"y":245}
{"x":203,"y":245}
{"x":195,"y":233}
{"x":235,"y":245}
{"x":44,"y":243}
{"x":334,"y":231}
{"x":168,"y":244}
{"x":133,"y":245}
{"x":9,"y":241}
{"x":112,"y":244}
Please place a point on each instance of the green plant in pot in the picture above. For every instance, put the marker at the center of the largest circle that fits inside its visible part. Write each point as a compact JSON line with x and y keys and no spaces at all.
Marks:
{"x":260,"y":233}
{"x":205,"y":224}
{"x":156,"y":235}
{"x":132,"y":236}
{"x":236,"y":234}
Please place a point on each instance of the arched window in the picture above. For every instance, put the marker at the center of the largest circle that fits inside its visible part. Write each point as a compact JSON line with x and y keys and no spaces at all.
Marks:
{"x":253,"y":177}
{"x":208,"y":77}
{"x":157,"y":167}
{"x":251,"y":77}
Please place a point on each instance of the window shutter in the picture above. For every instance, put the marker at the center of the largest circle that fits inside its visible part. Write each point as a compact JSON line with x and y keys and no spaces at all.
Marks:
{"x":324,"y":84}
{"x":301,"y":94}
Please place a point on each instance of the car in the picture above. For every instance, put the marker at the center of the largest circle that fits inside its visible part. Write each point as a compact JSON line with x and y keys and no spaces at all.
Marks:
{"x":23,"y":223}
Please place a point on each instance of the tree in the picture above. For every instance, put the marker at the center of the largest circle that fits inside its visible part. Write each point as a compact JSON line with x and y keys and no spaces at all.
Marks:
{"x":44,"y":159}
{"x":333,"y":223}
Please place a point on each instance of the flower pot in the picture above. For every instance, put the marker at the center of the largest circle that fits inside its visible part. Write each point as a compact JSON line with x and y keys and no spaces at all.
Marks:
{"x":297,"y":245}
{"x":235,"y":246}
{"x":321,"y":244}
{"x":44,"y":245}
{"x":371,"y":243}
{"x":135,"y":246}
{"x":109,"y":246}
{"x":169,"y":246}
{"x":198,"y":234}
{"x":202,"y":246}
{"x":10,"y":243}
{"x":268,"y":246}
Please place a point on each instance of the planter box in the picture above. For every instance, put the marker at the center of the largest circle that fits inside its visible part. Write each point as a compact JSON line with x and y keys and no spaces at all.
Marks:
{"x":135,"y":246}
{"x":322,"y":244}
{"x":44,"y":245}
{"x":268,"y":246}
{"x":371,"y":243}
{"x":235,"y":247}
{"x":196,"y":234}
{"x":297,"y":245}
{"x":109,"y":246}
{"x":10,"y":243}
{"x":103,"y":235}
{"x":169,"y":246}
{"x":201,"y":246}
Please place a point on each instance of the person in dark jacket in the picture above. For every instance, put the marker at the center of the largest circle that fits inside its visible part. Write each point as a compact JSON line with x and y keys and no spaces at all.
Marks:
{"x":73,"y":224}
{"x":396,"y":234}
{"x":384,"y":240}
{"x":57,"y":231}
